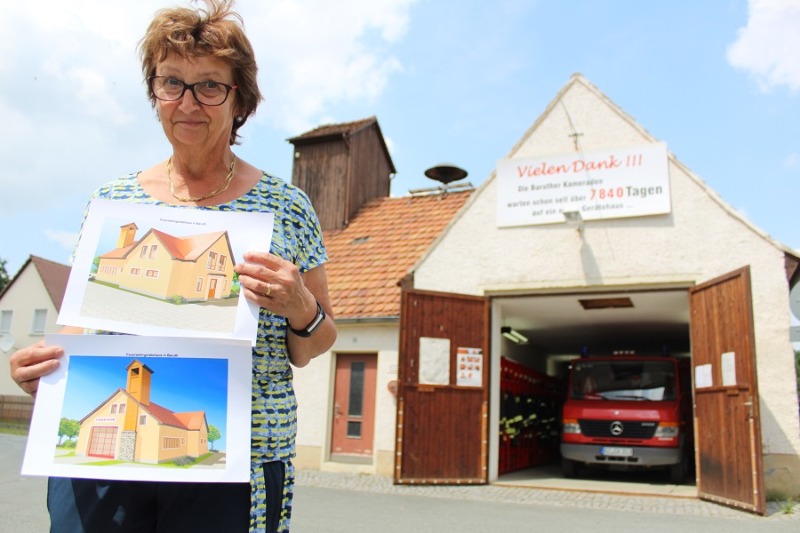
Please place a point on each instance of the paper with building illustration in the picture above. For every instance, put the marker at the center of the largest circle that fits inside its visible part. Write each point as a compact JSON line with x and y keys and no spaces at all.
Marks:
{"x":143,"y":408}
{"x":161,"y":270}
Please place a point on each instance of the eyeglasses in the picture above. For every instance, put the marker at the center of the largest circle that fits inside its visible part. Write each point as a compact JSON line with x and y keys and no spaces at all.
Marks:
{"x":210,"y":93}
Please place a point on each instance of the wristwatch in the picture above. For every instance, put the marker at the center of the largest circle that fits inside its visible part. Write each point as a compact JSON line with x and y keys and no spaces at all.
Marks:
{"x":313,"y":325}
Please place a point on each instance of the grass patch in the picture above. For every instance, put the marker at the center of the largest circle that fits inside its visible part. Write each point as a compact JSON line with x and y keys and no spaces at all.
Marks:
{"x":14,"y":427}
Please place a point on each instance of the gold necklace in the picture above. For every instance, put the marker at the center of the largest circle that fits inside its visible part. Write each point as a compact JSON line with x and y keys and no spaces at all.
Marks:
{"x":222,"y":186}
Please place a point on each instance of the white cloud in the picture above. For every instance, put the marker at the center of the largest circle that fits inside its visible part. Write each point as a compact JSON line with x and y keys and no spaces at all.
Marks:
{"x":65,"y":239}
{"x":768,"y":45}
{"x":74,"y":106}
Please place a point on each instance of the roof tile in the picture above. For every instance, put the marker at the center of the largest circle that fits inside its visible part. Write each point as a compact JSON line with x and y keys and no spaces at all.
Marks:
{"x":385,"y":238}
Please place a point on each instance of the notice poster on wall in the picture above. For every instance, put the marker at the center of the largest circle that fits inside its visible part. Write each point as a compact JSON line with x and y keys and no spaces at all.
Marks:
{"x":434,"y":361}
{"x":612,"y":183}
{"x":470,"y":367}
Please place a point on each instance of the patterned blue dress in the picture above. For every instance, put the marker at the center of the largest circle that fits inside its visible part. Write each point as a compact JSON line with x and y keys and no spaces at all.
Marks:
{"x":296,"y":237}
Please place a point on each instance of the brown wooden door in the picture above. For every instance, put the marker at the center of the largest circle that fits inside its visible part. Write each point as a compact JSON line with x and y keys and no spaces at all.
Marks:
{"x":728,"y":432}
{"x":442,"y":415}
{"x":354,"y":405}
{"x":212,"y":287}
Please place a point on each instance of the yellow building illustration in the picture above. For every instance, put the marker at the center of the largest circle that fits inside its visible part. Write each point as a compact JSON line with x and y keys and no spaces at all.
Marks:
{"x":129,"y":427}
{"x":194,"y":268}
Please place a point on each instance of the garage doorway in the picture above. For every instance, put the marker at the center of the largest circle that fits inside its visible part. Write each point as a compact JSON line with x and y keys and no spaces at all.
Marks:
{"x":567,"y":326}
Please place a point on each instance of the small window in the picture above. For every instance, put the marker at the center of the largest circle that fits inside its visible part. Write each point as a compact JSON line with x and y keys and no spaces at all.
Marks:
{"x":153,"y":251}
{"x":199,"y":286}
{"x":221,"y":263}
{"x":142,"y":420}
{"x":121,"y":408}
{"x":152,"y":274}
{"x":113,"y":408}
{"x":5,"y":320}
{"x":143,"y":252}
{"x":39,"y":321}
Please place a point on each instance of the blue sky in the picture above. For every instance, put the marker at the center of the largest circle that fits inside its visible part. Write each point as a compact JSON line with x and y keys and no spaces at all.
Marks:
{"x":456,"y":81}
{"x":92,"y":379}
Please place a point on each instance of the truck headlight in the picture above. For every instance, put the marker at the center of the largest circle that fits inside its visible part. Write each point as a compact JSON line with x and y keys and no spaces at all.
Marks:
{"x":571,"y":427}
{"x":667,"y":430}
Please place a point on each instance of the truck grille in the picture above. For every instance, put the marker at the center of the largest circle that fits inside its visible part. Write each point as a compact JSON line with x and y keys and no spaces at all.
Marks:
{"x":629,"y":429}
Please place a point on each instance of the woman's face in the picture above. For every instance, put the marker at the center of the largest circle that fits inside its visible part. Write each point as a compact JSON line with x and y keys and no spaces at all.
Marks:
{"x":186,"y":121}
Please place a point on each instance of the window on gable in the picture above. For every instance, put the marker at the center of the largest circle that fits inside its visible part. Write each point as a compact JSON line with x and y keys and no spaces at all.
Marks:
{"x":142,"y":420}
{"x":221,"y":263}
{"x":39,"y":321}
{"x":153,"y":251}
{"x":121,"y":408}
{"x":5,"y":320}
{"x":143,"y":252}
{"x":113,"y":408}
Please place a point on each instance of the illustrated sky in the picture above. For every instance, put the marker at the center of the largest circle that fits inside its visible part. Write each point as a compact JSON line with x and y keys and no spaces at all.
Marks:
{"x":450,"y":81}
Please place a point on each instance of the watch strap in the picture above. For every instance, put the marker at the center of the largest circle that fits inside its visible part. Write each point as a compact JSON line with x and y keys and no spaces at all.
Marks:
{"x":313,"y":325}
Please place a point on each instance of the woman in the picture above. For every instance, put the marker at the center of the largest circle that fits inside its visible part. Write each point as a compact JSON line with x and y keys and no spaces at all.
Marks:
{"x":201,"y":77}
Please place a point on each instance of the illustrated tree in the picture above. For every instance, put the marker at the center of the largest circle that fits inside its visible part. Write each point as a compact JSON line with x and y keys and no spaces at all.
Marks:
{"x":4,"y":278}
{"x":68,"y":428}
{"x":213,"y":434}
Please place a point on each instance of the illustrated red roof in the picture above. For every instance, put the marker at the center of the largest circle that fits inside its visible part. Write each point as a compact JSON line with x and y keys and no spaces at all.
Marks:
{"x":386,"y":237}
{"x":182,"y":248}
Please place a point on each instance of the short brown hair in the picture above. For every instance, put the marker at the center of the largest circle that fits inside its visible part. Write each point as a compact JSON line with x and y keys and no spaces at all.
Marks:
{"x":215,"y":31}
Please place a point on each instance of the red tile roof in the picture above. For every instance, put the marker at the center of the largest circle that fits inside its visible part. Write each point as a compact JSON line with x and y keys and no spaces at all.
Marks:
{"x":54,"y":276}
{"x":370,"y":257}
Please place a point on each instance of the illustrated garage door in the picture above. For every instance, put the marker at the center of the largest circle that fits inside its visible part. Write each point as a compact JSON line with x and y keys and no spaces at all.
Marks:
{"x":103,"y":442}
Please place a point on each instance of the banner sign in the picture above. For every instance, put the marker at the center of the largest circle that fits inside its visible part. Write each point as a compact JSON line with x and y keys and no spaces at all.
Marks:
{"x":614,"y":183}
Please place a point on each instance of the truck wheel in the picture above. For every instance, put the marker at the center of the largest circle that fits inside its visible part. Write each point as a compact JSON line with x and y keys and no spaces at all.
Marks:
{"x":677,"y":472}
{"x":569,"y":468}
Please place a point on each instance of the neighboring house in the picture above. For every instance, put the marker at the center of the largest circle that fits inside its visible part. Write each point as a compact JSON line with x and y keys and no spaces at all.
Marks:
{"x":193,"y":268}
{"x":29,"y":307}
{"x":693,"y":279}
{"x":129,"y":427}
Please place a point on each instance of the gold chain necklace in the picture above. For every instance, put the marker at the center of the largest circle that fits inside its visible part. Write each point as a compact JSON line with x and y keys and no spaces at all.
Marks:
{"x":222,"y":186}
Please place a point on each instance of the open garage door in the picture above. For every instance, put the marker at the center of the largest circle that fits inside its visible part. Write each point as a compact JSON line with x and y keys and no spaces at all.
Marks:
{"x":442,"y":398}
{"x":728,"y":429}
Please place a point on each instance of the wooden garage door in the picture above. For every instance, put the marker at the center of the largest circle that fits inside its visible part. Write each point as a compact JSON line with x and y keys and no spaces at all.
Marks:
{"x":442,"y":398}
{"x":103,"y":442}
{"x":728,"y":432}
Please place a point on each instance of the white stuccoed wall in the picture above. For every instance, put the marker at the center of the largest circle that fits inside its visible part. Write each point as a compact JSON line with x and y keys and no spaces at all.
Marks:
{"x":27,"y":294}
{"x":314,"y":388}
{"x":701,"y":239}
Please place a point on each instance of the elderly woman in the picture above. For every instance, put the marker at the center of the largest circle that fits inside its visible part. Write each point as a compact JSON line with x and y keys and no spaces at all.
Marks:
{"x":200,"y":72}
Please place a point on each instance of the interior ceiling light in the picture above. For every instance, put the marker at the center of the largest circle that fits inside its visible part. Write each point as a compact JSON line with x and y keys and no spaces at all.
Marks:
{"x":513,"y":335}
{"x":606,"y":303}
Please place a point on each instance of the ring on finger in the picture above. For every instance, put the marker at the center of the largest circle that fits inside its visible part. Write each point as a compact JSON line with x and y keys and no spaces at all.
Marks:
{"x":269,"y":290}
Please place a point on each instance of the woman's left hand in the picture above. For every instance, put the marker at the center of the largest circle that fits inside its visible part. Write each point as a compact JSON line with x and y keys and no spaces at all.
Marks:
{"x":277,"y":285}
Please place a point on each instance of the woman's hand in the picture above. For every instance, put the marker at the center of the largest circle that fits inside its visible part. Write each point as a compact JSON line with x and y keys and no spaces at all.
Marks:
{"x":31,"y":363}
{"x":277,"y":285}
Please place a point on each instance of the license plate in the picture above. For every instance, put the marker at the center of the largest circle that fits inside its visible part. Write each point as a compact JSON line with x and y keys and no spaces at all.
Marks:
{"x":612,"y":451}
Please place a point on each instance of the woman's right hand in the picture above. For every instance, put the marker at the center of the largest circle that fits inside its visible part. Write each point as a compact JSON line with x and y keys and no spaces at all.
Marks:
{"x":31,"y":363}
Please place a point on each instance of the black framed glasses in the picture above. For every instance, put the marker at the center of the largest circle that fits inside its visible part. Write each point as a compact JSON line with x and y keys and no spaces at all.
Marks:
{"x":169,"y":89}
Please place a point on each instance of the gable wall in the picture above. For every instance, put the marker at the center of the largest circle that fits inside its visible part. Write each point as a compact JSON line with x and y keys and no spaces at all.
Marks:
{"x":23,"y":297}
{"x":699,"y":240}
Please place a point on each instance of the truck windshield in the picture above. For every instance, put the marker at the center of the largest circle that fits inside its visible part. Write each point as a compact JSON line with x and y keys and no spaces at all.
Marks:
{"x":623,"y":380}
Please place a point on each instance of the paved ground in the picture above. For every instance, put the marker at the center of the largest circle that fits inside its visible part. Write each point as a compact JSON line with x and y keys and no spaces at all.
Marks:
{"x":337,"y":503}
{"x":101,"y":301}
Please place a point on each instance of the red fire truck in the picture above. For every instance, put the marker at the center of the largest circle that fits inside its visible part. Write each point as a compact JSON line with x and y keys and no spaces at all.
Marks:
{"x":628,"y":411}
